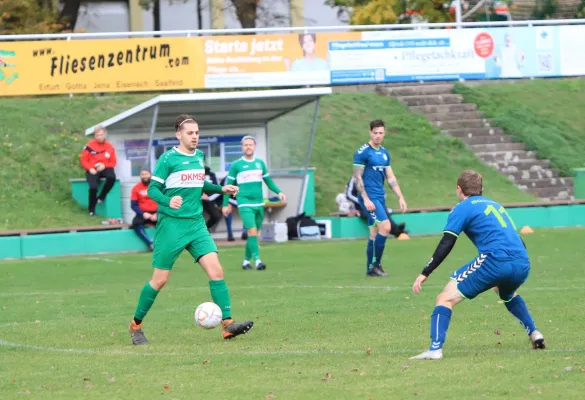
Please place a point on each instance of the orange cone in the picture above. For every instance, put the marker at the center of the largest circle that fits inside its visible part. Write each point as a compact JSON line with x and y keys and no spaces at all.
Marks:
{"x":526,"y":229}
{"x":403,"y":236}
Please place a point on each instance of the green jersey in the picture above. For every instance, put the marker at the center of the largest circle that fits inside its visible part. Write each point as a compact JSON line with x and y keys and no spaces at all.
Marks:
{"x":249,"y":175}
{"x":180,"y":174}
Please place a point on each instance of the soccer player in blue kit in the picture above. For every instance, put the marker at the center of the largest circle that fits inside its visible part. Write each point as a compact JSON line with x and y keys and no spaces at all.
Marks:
{"x":371,"y":167}
{"x":502,"y":263}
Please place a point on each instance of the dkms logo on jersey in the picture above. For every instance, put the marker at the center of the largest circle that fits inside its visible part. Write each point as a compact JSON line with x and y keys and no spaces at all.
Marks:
{"x":190,"y":177}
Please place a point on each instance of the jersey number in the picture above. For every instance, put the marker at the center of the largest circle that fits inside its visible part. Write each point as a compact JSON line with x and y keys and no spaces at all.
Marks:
{"x":499,"y":215}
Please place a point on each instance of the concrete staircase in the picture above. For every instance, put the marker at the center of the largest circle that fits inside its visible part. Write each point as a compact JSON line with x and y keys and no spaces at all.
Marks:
{"x":447,"y":111}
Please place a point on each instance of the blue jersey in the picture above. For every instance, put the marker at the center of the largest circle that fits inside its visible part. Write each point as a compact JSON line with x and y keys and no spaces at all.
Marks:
{"x":375,"y":162}
{"x":488,"y":226}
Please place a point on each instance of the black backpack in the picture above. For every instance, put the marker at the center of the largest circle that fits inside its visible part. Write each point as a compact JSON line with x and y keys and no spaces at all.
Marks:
{"x":303,"y":227}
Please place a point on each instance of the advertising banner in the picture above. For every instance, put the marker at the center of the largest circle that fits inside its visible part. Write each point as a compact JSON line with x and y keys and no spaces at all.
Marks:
{"x":450,"y":54}
{"x":95,"y":66}
{"x":269,"y":60}
{"x":280,"y":60}
{"x":571,"y":45}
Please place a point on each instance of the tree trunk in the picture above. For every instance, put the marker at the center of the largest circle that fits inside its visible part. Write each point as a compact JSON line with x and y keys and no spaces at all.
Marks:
{"x":246,"y":11}
{"x":69,"y":13}
{"x":199,"y":15}
{"x":156,"y":15}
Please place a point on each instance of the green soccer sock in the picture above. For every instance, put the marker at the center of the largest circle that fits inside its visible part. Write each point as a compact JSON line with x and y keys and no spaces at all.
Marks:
{"x":147,"y":296}
{"x":252,"y":242}
{"x":221,"y":297}
{"x":248,"y":252}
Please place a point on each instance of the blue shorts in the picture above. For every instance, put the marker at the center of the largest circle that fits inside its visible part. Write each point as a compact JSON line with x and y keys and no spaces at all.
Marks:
{"x":486,"y":272}
{"x":377,"y":216}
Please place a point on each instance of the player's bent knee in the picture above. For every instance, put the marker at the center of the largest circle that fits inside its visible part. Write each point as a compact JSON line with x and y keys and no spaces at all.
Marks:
{"x":210,"y":263}
{"x":450,"y":296}
{"x":384,"y":227}
{"x":159,"y":278}
{"x":252,"y":232}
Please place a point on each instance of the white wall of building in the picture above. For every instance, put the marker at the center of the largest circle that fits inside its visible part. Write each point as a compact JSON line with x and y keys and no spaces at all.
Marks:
{"x":178,"y":15}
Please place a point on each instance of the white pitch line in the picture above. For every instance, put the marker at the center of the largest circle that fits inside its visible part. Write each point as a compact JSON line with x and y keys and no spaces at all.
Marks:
{"x":80,"y":293}
{"x":280,"y":287}
{"x":267,"y":353}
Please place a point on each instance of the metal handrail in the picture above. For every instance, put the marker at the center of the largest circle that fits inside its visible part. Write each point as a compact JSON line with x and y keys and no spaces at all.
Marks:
{"x":188,"y":33}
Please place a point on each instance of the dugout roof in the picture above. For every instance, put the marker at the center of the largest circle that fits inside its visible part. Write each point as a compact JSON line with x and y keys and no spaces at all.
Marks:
{"x":212,"y":110}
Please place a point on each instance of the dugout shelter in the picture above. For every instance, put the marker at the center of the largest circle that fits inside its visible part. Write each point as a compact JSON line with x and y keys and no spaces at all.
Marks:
{"x":283,"y":122}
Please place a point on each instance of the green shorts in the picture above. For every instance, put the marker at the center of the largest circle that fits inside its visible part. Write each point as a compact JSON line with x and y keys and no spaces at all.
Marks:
{"x":173,"y":235}
{"x":252,"y":217}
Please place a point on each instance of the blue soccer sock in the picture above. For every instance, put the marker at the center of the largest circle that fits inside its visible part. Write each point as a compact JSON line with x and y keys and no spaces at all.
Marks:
{"x":369,"y":254}
{"x":228,"y":224}
{"x":379,"y":244}
{"x":518,"y":308}
{"x":142,"y":234}
{"x":439,"y":324}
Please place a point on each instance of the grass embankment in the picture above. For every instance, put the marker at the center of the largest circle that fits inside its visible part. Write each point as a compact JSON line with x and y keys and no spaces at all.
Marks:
{"x":40,"y":142}
{"x":547,"y":115}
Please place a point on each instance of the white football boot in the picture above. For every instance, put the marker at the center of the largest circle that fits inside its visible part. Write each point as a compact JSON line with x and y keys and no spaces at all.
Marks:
{"x":429,"y":355}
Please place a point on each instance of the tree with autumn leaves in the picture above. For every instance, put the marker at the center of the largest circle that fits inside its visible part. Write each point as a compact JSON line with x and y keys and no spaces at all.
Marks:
{"x":375,"y":12}
{"x":29,"y":16}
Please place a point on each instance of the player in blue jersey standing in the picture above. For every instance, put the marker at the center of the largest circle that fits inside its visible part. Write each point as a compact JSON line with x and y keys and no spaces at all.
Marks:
{"x":502,"y":263}
{"x":371,"y":167}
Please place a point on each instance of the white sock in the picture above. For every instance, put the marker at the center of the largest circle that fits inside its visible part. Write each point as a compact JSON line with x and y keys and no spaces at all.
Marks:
{"x":258,"y":262}
{"x":246,"y":262}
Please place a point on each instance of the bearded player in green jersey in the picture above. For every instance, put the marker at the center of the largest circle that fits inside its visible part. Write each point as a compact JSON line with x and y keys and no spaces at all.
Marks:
{"x":248,"y":173}
{"x":176,"y":185}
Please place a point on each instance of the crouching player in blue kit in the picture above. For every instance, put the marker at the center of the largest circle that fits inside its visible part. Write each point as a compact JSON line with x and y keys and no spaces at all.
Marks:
{"x":502,"y":263}
{"x":371,"y":167}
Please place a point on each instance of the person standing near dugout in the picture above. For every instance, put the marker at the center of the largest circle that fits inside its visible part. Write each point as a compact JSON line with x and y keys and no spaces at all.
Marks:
{"x":98,"y":157}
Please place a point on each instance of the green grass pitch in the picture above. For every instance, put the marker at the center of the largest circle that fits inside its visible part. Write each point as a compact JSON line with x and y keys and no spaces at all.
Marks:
{"x":323,"y":330}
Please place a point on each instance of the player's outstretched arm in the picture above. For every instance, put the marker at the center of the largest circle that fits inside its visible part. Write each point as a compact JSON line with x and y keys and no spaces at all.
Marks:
{"x":230,"y":180}
{"x":155,"y":191}
{"x":211,"y":188}
{"x":272,"y":186}
{"x":441,"y":252}
{"x":358,"y":172}
{"x":270,"y":183}
{"x":393,"y":183}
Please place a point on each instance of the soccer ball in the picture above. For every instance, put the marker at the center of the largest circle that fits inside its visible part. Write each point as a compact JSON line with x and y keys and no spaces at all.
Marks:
{"x":208,"y":315}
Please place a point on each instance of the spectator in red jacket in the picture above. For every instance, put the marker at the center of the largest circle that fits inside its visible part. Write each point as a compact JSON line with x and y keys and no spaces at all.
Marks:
{"x":99,"y":159}
{"x":144,"y":207}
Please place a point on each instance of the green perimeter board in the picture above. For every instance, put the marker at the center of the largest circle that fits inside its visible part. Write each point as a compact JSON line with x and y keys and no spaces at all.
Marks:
{"x":125,"y":240}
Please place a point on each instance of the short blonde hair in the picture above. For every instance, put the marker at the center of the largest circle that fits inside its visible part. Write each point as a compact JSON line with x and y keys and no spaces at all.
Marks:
{"x":470,"y":182}
{"x":248,"y":137}
{"x":99,"y":128}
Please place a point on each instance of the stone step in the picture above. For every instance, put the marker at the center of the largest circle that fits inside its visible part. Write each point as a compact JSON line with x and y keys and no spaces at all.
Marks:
{"x":545,"y":182}
{"x":453,"y":116}
{"x":480,"y":148}
{"x":463,"y":123}
{"x":545,"y":199}
{"x":527,"y":174}
{"x":521,"y":165}
{"x":494,"y":139}
{"x":499,"y":156}
{"x":415,"y":90}
{"x":473,"y":132}
{"x":552,"y":192}
{"x":443,"y":108}
{"x":434,"y":99}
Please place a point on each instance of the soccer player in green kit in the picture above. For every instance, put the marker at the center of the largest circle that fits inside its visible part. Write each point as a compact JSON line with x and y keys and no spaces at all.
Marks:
{"x":176,"y":185}
{"x":248,"y":173}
